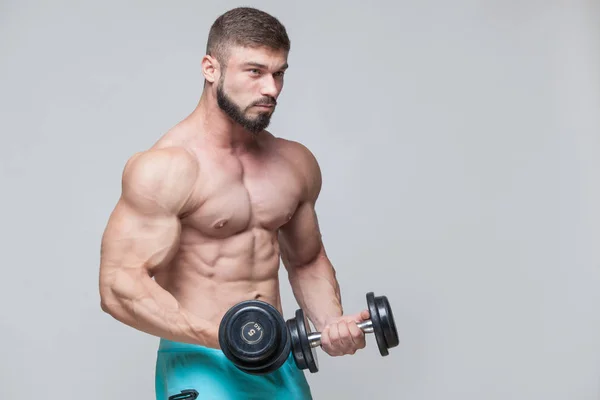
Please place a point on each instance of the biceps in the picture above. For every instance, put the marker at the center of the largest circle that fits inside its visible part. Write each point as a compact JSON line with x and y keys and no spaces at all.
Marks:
{"x":300,"y":238}
{"x":133,"y":240}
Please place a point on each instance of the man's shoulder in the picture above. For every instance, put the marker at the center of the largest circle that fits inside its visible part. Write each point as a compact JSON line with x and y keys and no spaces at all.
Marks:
{"x":159,"y":162}
{"x":296,"y":152}
{"x":304,"y":162}
{"x":160,"y":177}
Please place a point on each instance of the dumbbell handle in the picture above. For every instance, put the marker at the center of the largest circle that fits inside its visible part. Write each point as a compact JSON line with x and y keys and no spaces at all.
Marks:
{"x":314,"y":338}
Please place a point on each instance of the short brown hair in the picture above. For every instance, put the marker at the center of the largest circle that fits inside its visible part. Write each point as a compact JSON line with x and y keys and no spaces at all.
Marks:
{"x":245,"y":26}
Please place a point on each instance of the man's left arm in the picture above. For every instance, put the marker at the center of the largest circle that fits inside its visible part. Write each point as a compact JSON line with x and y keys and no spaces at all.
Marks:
{"x":311,"y":273}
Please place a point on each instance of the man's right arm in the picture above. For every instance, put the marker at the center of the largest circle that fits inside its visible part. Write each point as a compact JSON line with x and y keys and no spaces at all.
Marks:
{"x":141,"y":238}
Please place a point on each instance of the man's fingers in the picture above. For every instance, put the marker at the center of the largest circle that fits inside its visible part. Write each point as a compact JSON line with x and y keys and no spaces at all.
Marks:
{"x":330,"y":340}
{"x":364,"y":314}
{"x":334,"y":336}
{"x":360,"y":339}
{"x":325,"y":338}
{"x":355,"y":337}
{"x":345,"y":338}
{"x":355,"y":333}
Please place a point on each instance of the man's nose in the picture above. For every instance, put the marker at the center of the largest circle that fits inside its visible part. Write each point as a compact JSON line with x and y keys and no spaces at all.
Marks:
{"x":269,"y":87}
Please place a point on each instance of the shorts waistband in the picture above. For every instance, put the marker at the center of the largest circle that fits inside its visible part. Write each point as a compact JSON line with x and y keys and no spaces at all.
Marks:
{"x":169,"y":345}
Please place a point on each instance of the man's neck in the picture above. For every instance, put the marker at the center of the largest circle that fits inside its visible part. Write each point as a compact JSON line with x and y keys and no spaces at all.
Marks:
{"x":217,"y":128}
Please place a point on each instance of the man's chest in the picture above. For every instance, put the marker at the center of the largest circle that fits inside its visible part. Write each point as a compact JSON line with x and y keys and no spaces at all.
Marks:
{"x":232,"y":199}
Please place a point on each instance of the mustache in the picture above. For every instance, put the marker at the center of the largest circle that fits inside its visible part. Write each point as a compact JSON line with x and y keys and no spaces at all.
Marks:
{"x":268,"y":101}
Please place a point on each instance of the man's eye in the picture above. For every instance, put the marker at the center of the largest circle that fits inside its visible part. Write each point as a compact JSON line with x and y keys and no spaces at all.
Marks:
{"x":254,"y":71}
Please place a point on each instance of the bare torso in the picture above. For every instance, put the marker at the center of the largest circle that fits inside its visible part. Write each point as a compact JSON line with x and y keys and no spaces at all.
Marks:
{"x":229,"y":250}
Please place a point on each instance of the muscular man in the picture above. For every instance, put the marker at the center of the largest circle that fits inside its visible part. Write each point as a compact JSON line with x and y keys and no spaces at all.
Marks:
{"x":205,"y":215}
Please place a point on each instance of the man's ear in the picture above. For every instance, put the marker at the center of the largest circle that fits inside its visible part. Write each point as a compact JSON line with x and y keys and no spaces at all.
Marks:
{"x":210,"y":66}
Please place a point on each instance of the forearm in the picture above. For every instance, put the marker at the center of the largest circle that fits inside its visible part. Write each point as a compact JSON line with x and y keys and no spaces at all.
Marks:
{"x":316,"y":290}
{"x":138,"y":301}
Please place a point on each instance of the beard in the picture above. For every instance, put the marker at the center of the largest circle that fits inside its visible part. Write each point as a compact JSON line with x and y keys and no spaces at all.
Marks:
{"x":254,"y":125}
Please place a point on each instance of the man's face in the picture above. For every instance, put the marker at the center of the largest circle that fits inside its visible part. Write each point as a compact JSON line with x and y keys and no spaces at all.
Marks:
{"x":248,"y":89}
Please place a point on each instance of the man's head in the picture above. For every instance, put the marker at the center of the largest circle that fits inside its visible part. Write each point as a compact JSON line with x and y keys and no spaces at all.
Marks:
{"x":246,"y":56}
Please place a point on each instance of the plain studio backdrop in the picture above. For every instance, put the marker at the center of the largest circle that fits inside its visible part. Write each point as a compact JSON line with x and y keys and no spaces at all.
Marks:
{"x":459,"y":145}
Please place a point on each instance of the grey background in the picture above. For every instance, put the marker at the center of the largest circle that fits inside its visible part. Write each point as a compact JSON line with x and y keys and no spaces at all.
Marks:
{"x":459,"y":145}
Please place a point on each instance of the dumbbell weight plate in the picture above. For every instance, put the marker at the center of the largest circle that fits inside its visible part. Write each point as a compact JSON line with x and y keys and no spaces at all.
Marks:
{"x":384,"y":327}
{"x":277,"y":360}
{"x":386,"y":320}
{"x":252,"y":334}
{"x":305,"y":356}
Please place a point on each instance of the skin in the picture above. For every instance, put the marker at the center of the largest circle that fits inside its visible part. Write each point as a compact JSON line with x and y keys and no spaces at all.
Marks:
{"x":207,"y":213}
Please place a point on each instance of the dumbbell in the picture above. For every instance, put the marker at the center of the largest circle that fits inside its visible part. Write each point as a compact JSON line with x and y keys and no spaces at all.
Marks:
{"x":254,"y":337}
{"x":381,"y":323}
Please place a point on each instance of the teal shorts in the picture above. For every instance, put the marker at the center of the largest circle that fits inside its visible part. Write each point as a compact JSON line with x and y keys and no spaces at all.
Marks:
{"x":188,"y":372}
